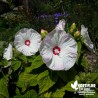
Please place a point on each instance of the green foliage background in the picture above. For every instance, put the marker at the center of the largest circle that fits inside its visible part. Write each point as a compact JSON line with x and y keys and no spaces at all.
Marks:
{"x":28,"y":77}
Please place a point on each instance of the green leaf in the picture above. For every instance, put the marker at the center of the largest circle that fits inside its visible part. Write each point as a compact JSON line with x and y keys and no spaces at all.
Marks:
{"x":16,"y":53}
{"x":84,"y":63}
{"x":1,"y":96}
{"x":36,"y":63}
{"x":4,"y":63}
{"x":2,"y":44}
{"x":63,"y":75}
{"x":4,"y":87}
{"x":17,"y":91}
{"x":58,"y":94}
{"x":26,"y":80}
{"x":96,"y":81}
{"x":55,"y":90}
{"x":68,"y":87}
{"x":28,"y":94}
{"x":2,"y":47}
{"x":15,"y":65}
{"x":47,"y":82}
{"x":67,"y":75}
{"x":32,"y":82}
{"x":79,"y":51}
{"x":47,"y":94}
{"x":32,"y":58}
{"x":93,"y":76}
{"x":23,"y":58}
{"x":71,"y":74}
{"x":43,"y":74}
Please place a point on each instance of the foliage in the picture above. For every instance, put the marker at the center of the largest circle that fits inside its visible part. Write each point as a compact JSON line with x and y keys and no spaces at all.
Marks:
{"x":28,"y":77}
{"x":10,"y":23}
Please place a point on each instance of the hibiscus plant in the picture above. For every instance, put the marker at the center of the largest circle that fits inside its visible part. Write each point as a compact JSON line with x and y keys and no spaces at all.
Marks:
{"x":44,"y":66}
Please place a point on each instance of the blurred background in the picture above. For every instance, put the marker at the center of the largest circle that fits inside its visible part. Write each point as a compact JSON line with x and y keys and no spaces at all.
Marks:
{"x":45,"y":14}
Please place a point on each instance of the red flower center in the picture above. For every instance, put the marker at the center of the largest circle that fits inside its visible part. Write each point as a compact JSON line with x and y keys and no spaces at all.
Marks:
{"x":56,"y":50}
{"x":27,"y":42}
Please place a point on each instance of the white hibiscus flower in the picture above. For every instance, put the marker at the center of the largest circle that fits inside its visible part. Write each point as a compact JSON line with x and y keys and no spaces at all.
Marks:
{"x":87,"y":40}
{"x":27,"y":41}
{"x":8,"y":53}
{"x":59,"y":49}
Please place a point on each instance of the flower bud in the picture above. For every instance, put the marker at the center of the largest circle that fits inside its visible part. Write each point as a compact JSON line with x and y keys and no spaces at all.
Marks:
{"x":73,"y":27}
{"x":77,"y":34}
{"x":43,"y":33}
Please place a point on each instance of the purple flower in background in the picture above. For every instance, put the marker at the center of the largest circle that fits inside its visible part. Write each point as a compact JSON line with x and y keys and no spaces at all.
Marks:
{"x":58,"y":14}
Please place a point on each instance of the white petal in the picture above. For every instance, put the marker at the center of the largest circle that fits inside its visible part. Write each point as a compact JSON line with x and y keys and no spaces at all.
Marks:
{"x":68,"y":51}
{"x":27,"y":34}
{"x":25,"y":50}
{"x":60,"y":25}
{"x":47,"y":56}
{"x":56,"y":63}
{"x":46,"y":51}
{"x":34,"y":47}
{"x":66,"y":40}
{"x":8,"y":53}
{"x":56,"y":37}
{"x":87,"y":40}
{"x":23,"y":33}
{"x":34,"y":36}
{"x":19,"y":41}
{"x":68,"y":54}
{"x":50,"y":40}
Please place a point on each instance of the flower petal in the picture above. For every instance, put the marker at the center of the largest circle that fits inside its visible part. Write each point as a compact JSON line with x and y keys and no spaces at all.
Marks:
{"x":47,"y":56}
{"x":67,"y":55}
{"x":8,"y":53}
{"x":30,"y":35}
{"x":60,"y":25}
{"x":49,"y":40}
{"x":26,"y":50}
{"x":56,"y":63}
{"x":67,"y":40}
{"x":87,"y":40}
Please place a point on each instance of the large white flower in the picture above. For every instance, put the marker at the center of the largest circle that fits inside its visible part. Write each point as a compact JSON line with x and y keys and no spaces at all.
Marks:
{"x":8,"y":53}
{"x":59,"y":49}
{"x":87,"y":40}
{"x":27,"y":41}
